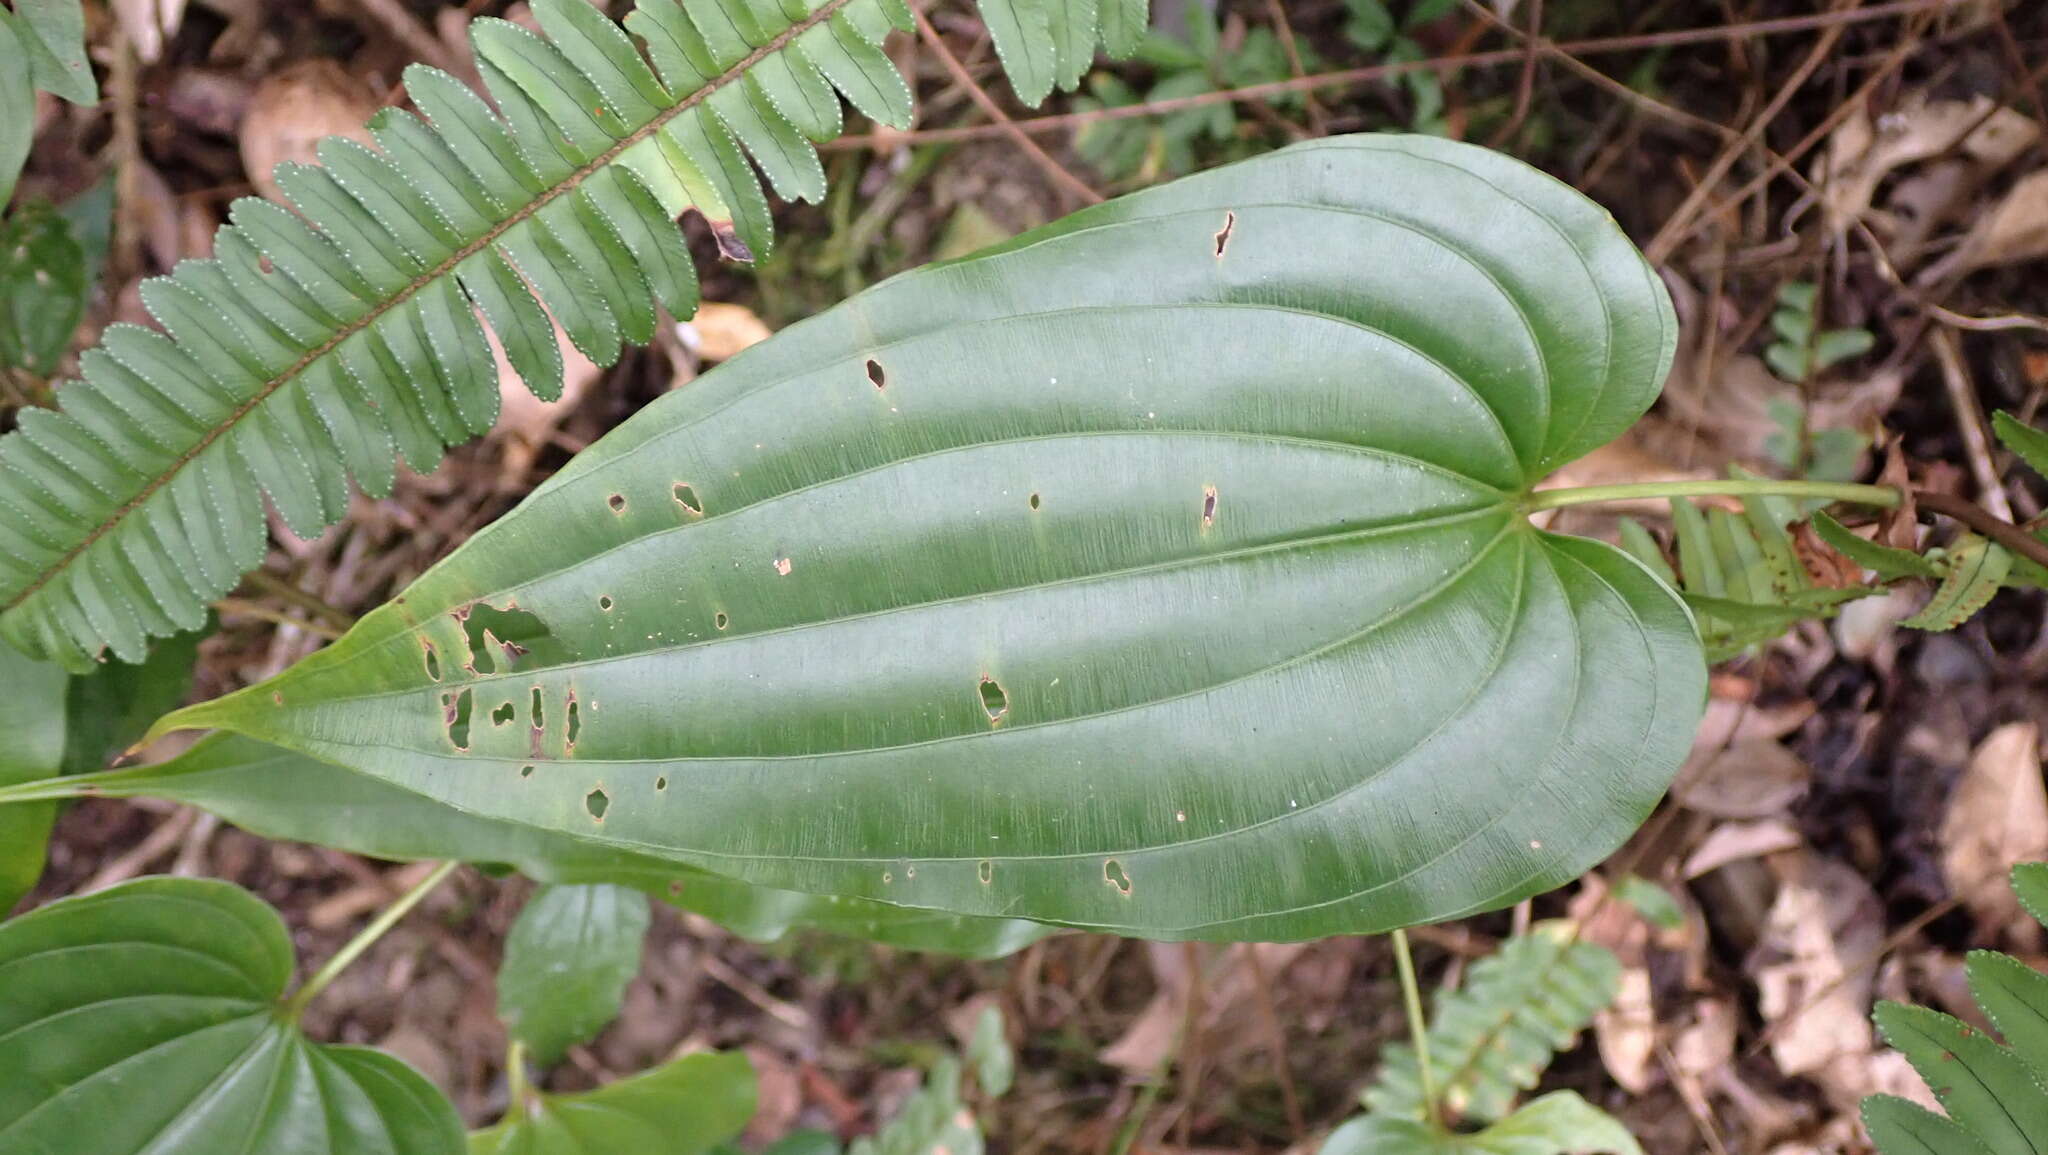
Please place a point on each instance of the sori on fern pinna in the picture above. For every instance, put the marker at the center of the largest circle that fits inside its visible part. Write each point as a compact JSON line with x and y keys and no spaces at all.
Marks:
{"x":335,"y":340}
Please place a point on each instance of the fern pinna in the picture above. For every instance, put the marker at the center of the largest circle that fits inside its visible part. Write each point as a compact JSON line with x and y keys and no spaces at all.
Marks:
{"x":334,"y":341}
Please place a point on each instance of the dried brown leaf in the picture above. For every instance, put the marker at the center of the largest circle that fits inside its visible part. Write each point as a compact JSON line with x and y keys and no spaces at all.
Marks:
{"x":1997,"y":816}
{"x":1753,"y":778}
{"x":293,"y":109}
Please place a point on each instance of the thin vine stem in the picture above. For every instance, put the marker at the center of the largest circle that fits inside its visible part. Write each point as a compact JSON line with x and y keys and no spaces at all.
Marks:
{"x":355,"y":947}
{"x":1882,"y":496}
{"x":1418,"y":1027}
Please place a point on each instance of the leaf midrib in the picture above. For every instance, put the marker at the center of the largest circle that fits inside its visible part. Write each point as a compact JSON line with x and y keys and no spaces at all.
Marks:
{"x":568,"y":183}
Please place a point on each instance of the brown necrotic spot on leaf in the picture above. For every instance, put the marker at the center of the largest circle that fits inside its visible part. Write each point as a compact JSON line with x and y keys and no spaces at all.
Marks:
{"x":783,"y":565}
{"x":1223,"y":234}
{"x":1208,"y":506}
{"x":1113,"y":874}
{"x":730,"y":246}
{"x":597,"y":802}
{"x":505,"y":713}
{"x":456,"y":709}
{"x":994,"y":702}
{"x":875,"y":373}
{"x":687,"y":498}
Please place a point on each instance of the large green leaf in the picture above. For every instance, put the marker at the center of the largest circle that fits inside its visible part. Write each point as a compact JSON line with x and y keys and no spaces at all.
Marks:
{"x":145,"y":1019}
{"x":567,"y":961}
{"x":284,"y":795}
{"x":681,"y":1108}
{"x":1163,"y":571}
{"x":32,"y":727}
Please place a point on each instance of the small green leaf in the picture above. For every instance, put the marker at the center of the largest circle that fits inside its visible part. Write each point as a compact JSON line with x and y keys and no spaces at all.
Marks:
{"x":17,"y":95}
{"x":931,"y":1122}
{"x":995,"y":1067}
{"x":1022,"y":33}
{"x":1560,"y":1123}
{"x":1790,"y":362}
{"x":32,"y":724}
{"x":567,"y":962}
{"x":1901,"y":1127}
{"x":43,"y":284}
{"x":145,"y":1018}
{"x":1976,"y":567}
{"x":2029,"y":443}
{"x":54,"y":33}
{"x":680,"y":1108}
{"x":1838,"y":345}
{"x":2030,"y":886}
{"x":1644,"y":548}
{"x":1651,"y":901}
{"x":1798,"y":295}
{"x":111,"y":708}
{"x":2015,"y":998}
{"x":1885,"y":561}
{"x":1370,"y":25}
{"x":805,"y":1143}
{"x":1986,"y":1088}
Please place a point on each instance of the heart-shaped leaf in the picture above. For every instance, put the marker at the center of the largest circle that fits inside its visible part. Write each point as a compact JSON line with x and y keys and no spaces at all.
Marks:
{"x":681,"y":1108}
{"x":1161,"y":571}
{"x":145,"y":1018}
{"x":285,"y":795}
{"x":567,"y":961}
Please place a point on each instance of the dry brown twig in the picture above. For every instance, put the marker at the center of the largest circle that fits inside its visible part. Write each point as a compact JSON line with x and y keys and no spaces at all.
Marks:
{"x":1441,"y":65}
{"x":1066,"y":181}
{"x":1660,"y":247}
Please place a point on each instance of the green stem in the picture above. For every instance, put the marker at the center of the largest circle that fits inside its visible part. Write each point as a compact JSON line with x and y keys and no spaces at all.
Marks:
{"x":1418,"y":1027}
{"x":518,"y":1091}
{"x":1883,"y":496}
{"x":362,"y":941}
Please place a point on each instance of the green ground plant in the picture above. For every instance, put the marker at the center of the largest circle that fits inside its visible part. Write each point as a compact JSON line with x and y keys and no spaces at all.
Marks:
{"x":1995,"y":1093}
{"x":888,"y":626}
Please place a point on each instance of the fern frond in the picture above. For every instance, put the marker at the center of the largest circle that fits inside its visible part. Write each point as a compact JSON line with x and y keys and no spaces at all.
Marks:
{"x":1742,"y":573}
{"x":1994,"y":1092}
{"x":1492,"y":1039}
{"x":332,"y":342}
